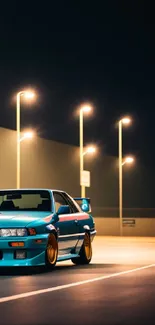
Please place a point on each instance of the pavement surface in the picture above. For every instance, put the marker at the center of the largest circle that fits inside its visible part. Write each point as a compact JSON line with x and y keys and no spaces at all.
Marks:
{"x":117,"y":288}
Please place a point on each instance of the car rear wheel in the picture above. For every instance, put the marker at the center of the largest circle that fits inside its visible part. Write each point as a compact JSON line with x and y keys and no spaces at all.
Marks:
{"x":85,"y":252}
{"x":51,"y":251}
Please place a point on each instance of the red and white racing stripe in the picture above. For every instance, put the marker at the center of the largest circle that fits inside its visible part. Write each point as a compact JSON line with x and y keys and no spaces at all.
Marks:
{"x":77,"y":216}
{"x":48,"y":218}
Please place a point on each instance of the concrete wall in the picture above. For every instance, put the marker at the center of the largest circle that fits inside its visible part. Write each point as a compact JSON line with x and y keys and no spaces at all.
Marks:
{"x":49,"y":164}
{"x":45,"y":163}
{"x":111,"y":227}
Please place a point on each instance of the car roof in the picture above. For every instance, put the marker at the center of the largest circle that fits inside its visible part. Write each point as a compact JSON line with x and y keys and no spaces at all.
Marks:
{"x":31,"y":189}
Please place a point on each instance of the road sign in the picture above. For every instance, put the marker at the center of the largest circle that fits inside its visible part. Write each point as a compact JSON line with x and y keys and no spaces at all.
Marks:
{"x":129,"y":222}
{"x":85,"y":178}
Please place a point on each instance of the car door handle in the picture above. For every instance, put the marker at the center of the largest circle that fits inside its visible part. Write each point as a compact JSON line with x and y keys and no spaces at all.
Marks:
{"x":76,"y":221}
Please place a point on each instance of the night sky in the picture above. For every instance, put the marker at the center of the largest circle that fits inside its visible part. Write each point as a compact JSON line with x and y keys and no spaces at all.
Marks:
{"x":70,"y":52}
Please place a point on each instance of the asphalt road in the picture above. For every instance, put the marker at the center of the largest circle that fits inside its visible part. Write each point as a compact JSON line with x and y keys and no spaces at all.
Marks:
{"x":117,"y":288}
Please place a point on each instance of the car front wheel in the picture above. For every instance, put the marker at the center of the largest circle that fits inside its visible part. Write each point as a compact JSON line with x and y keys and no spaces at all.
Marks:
{"x":85,"y":252}
{"x":51,"y":251}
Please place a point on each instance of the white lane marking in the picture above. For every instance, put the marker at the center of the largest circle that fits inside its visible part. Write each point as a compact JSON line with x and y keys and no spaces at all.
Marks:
{"x":69,"y":285}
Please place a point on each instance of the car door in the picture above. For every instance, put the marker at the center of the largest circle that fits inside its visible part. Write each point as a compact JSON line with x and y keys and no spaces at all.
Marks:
{"x":67,"y":225}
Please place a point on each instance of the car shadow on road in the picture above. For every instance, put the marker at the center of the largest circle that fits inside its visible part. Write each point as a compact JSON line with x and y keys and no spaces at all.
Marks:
{"x":23,"y":271}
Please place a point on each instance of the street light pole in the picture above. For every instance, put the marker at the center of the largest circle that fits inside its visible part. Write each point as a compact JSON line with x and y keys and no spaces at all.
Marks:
{"x":81,"y":152}
{"x":18,"y":138}
{"x":125,"y":121}
{"x":120,"y":177}
{"x":86,"y":108}
{"x":28,"y":95}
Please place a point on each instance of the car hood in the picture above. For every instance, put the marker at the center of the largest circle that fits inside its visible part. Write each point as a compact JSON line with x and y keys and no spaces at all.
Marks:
{"x":23,"y":219}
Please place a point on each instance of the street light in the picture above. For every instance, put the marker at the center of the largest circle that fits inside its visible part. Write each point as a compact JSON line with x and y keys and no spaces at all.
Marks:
{"x":28,"y":95}
{"x":27,"y":135}
{"x":89,"y":150}
{"x":128,"y":160}
{"x":86,"y":108}
{"x":126,"y":120}
{"x":123,"y":121}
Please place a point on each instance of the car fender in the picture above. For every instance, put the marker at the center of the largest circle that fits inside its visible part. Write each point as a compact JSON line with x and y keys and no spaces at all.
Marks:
{"x":51,"y":229}
{"x":86,"y":228}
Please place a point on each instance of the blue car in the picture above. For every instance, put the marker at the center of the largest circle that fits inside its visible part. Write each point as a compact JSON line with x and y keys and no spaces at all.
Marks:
{"x":44,"y":226}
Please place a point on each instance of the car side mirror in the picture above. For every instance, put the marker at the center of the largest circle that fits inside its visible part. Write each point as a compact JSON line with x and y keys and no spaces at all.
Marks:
{"x":63,"y":209}
{"x":55,"y":218}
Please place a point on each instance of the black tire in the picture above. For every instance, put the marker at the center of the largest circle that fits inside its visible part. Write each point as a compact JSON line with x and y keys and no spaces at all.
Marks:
{"x":51,"y":252}
{"x":85,"y":252}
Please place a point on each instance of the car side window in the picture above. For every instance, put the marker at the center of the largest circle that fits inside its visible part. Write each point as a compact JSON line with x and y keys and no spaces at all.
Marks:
{"x":59,"y":200}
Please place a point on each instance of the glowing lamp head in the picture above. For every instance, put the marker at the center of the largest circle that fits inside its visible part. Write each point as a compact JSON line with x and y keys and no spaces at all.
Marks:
{"x":91,"y":149}
{"x":86,"y":108}
{"x":28,"y":135}
{"x":126,"y":120}
{"x":29,"y":94}
{"x":129,"y":160}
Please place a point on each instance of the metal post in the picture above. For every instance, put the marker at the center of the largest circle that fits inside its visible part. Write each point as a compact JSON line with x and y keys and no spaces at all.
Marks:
{"x":83,"y":191}
{"x":18,"y":139}
{"x":81,"y":151}
{"x":120,"y":178}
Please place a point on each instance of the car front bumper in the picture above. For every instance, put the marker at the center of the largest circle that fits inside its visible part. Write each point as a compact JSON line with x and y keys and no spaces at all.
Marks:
{"x":32,"y":251}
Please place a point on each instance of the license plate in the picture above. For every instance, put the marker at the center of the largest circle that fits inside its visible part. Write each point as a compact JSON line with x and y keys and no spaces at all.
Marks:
{"x":21,"y":254}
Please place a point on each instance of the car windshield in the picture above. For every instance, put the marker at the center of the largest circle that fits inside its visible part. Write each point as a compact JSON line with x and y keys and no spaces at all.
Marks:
{"x":25,"y":200}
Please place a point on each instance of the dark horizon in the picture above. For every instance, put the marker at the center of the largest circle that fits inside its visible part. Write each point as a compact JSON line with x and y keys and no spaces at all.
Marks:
{"x":75,"y":53}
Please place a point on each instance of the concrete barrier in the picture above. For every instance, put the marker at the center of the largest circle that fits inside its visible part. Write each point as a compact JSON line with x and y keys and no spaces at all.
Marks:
{"x":131,"y":226}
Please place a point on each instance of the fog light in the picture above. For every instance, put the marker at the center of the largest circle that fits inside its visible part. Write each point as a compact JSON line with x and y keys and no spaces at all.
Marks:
{"x":16,"y":244}
{"x":20,"y":255}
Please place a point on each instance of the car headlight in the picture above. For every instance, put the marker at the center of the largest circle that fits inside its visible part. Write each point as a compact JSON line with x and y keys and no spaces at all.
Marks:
{"x":13,"y":232}
{"x":21,"y":232}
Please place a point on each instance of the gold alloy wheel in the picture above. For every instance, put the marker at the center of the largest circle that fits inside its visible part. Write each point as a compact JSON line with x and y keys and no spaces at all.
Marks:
{"x":87,"y":246}
{"x":52,"y":249}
